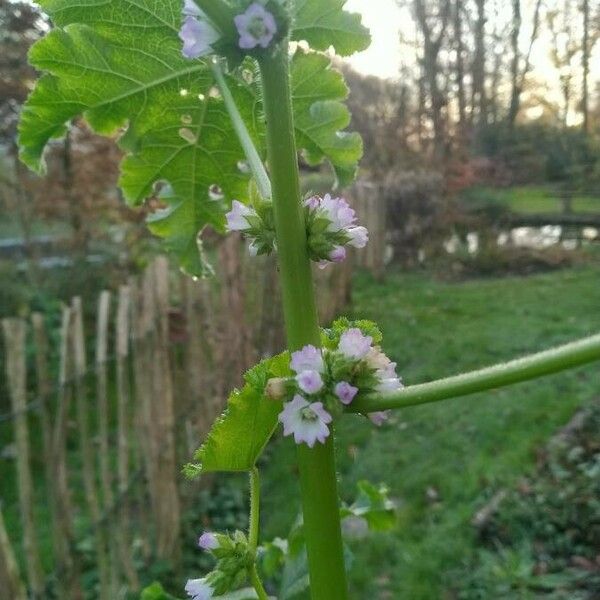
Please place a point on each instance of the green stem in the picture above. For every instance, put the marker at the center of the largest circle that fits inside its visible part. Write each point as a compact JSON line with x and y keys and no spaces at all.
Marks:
{"x":256,"y":165}
{"x":320,"y":502}
{"x":254,"y":509}
{"x":257,"y":584}
{"x":530,"y":367}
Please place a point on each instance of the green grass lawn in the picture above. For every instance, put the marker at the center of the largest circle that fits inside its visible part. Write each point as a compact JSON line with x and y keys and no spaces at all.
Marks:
{"x":460,"y":450}
{"x":528,"y":199}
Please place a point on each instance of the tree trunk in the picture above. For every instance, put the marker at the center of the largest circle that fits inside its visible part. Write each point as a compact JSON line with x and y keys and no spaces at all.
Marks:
{"x":515,"y":95}
{"x":479,"y":94}
{"x":460,"y":71}
{"x":585,"y":59}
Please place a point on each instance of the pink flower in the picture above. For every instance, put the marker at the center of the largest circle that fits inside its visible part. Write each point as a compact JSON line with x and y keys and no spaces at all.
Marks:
{"x":339,"y":212}
{"x":379,"y":418}
{"x":256,"y":27}
{"x":198,"y":589}
{"x":345,"y":392}
{"x":236,"y":217}
{"x":307,"y":422}
{"x":307,"y":359}
{"x":313,"y":202}
{"x":197,"y":37}
{"x":310,"y":382}
{"x":354,"y":344}
{"x":338,"y":254}
{"x":208,"y":541}
{"x":359,"y":236}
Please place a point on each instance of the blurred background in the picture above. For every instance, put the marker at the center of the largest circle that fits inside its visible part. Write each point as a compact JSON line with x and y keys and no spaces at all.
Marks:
{"x":480,"y":186}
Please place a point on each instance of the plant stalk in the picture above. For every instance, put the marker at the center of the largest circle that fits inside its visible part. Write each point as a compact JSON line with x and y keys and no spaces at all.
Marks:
{"x":254,"y":509}
{"x":320,"y":503}
{"x":529,"y":367}
{"x":254,"y":161}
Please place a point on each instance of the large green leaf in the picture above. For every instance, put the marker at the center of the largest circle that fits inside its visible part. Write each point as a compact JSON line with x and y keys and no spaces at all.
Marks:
{"x":325,"y":23}
{"x":118,"y":63}
{"x":239,"y":436}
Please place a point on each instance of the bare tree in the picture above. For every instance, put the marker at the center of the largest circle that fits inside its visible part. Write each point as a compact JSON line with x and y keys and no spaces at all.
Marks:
{"x":564,"y":49}
{"x":520,"y":64}
{"x":432,"y":19}
{"x":585,"y":60}
{"x":479,"y":99}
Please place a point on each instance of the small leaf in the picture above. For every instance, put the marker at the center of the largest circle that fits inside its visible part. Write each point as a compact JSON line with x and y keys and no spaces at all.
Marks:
{"x":238,"y":438}
{"x":325,"y":23}
{"x":156,"y":592}
{"x":373,"y":505}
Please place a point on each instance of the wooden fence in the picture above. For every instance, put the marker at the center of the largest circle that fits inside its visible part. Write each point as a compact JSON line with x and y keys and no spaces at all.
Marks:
{"x":93,"y":441}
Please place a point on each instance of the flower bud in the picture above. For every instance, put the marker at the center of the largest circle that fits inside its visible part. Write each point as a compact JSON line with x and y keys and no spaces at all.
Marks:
{"x":276,"y":388}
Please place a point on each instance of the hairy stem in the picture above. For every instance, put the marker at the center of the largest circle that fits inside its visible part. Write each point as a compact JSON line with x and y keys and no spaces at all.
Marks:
{"x":317,"y":466}
{"x":254,"y":161}
{"x":257,"y":584}
{"x":254,"y":509}
{"x":523,"y":369}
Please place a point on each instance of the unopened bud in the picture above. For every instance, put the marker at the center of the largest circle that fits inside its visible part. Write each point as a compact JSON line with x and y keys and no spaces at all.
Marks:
{"x":276,"y":388}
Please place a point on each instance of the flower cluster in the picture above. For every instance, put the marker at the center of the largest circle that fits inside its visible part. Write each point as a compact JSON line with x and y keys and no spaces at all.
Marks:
{"x":331,"y":226}
{"x":256,"y":223}
{"x":256,"y":27}
{"x":234,"y":557}
{"x":327,"y":380}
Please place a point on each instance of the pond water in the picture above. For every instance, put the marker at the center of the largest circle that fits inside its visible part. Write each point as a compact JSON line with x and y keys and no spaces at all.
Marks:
{"x":536,"y":238}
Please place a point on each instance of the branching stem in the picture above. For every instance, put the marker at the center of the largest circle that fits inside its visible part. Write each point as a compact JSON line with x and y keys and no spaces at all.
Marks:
{"x":523,"y":369}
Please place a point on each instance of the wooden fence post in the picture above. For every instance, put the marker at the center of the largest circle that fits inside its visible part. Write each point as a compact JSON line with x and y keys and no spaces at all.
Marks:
{"x":143,"y":320}
{"x":68,"y":581}
{"x":15,"y":331}
{"x":371,"y":210}
{"x":123,"y":430}
{"x":169,"y":520}
{"x":87,"y":452}
{"x":112,"y":532}
{"x":11,"y":585}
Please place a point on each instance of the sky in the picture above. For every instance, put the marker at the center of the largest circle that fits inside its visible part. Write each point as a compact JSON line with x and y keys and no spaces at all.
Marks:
{"x":382,"y":17}
{"x":385,"y":19}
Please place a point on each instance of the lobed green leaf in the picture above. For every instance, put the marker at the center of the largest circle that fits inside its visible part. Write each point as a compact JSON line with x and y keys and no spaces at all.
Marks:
{"x":238,"y":437}
{"x":118,"y":64}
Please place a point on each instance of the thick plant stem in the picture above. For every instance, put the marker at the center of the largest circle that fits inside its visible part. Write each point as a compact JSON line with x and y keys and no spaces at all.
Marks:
{"x":530,"y":367}
{"x":254,"y":509}
{"x":320,"y":502}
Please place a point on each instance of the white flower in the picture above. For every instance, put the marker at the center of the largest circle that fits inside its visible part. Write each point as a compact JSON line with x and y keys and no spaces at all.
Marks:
{"x":307,"y":422}
{"x":198,"y":589}
{"x":236,"y":217}
{"x":338,"y":212}
{"x":354,"y":344}
{"x":307,"y":359}
{"x":310,"y":382}
{"x":359,"y":236}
